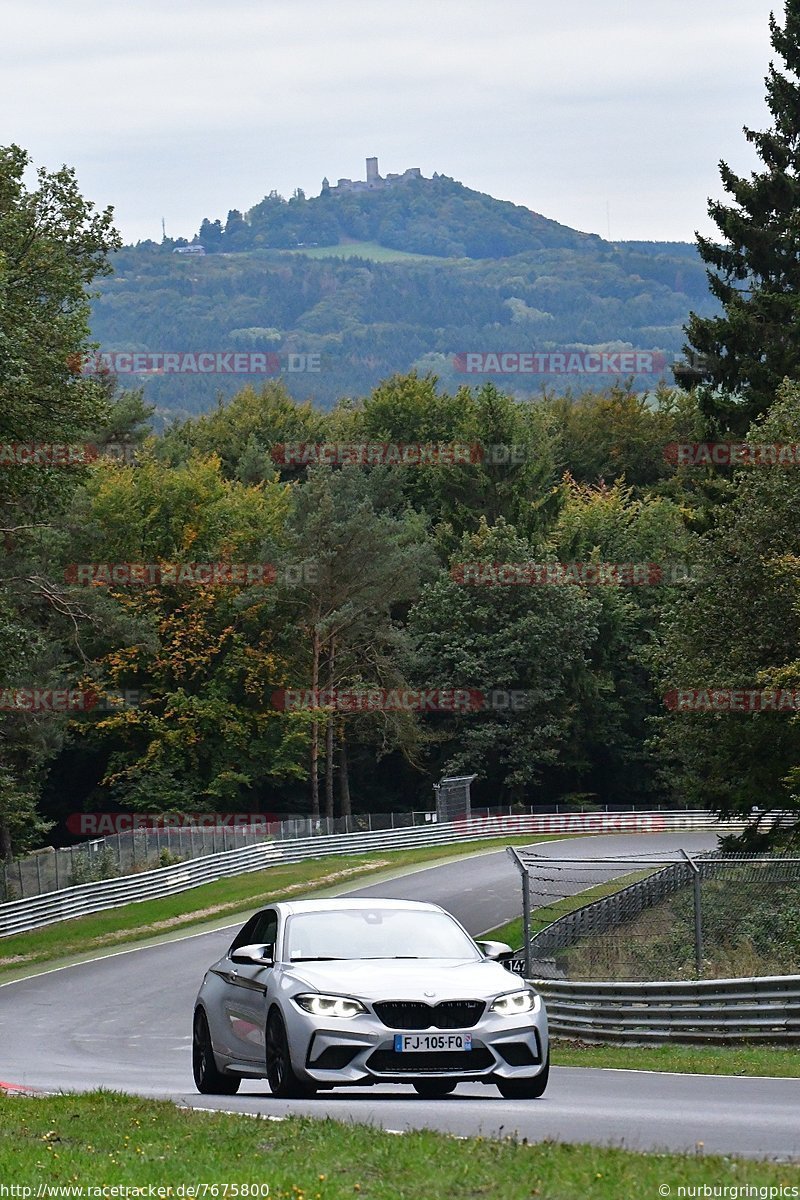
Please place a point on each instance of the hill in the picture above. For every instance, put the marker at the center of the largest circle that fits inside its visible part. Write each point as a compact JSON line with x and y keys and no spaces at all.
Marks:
{"x":436,"y":216}
{"x":408,"y":277}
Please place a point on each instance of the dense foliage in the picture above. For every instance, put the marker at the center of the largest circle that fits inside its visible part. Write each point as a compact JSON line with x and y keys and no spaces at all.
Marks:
{"x":746,"y":352}
{"x":247,"y":578}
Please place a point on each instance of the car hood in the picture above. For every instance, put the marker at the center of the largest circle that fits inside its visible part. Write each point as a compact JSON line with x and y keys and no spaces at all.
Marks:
{"x":404,"y":979}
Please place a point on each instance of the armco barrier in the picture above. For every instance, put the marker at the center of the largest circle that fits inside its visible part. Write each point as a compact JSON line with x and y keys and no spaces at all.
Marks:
{"x":710,"y":1010}
{"x":16,"y":916}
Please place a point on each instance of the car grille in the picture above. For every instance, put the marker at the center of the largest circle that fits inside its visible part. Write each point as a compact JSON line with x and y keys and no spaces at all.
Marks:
{"x":387,"y":1062}
{"x":414,"y":1014}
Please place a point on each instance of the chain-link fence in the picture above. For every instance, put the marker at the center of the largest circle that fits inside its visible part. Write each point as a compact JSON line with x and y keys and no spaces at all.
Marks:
{"x":143,"y":849}
{"x":163,"y":845}
{"x":714,"y":915}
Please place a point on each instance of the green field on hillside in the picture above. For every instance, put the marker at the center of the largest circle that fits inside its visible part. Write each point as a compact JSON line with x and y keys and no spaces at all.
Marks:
{"x":371,"y":250}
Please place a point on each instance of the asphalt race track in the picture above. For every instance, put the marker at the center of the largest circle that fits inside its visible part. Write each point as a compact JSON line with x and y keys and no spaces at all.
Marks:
{"x":124,"y":1022}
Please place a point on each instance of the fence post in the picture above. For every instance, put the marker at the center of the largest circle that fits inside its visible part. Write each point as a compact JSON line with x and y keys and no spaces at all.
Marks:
{"x":526,"y":920}
{"x":698,"y":917}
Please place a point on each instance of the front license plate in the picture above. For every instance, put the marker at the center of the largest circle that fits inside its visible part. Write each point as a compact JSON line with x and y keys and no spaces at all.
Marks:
{"x":411,"y":1042}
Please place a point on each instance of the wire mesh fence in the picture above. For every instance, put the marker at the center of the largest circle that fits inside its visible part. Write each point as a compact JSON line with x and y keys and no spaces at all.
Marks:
{"x":145,"y":848}
{"x":157,"y":845}
{"x":714,"y":916}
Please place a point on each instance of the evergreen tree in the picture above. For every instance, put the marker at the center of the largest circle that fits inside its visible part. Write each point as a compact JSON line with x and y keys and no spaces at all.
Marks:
{"x":742,"y":356}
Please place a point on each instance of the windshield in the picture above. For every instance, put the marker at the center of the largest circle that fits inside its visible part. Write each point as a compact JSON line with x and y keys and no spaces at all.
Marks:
{"x":376,"y":933}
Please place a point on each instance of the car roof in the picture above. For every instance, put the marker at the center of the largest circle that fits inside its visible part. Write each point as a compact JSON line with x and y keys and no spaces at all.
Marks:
{"x":337,"y":904}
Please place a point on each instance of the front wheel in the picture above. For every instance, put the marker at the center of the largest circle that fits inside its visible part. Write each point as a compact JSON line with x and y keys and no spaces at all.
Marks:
{"x":525,"y":1089}
{"x":433,"y":1089}
{"x":280,"y":1076}
{"x":207,"y":1077}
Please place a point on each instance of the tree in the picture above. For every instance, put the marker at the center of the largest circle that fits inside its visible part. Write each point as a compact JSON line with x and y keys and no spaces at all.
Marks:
{"x":52,"y":246}
{"x":533,"y":641}
{"x":367,"y":553}
{"x":744,"y":354}
{"x":612,"y":525}
{"x":736,"y":625}
{"x":204,"y":656}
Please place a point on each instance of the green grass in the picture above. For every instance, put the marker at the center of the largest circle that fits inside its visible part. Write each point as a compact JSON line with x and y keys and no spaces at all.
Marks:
{"x":107,"y":1138}
{"x":371,"y":250}
{"x":775,"y":1061}
{"x":213,"y":903}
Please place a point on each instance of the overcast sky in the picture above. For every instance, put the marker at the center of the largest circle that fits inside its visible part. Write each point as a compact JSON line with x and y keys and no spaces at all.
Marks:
{"x":607,"y":115}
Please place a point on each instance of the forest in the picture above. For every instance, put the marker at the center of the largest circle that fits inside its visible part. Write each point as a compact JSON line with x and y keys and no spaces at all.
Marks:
{"x":404,"y":279}
{"x":307,"y":604}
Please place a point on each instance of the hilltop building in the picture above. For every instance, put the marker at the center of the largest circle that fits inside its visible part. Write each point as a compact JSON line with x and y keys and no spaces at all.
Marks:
{"x":374,"y":180}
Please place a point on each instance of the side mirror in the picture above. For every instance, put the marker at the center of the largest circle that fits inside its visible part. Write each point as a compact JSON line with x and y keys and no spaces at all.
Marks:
{"x":495,"y":950}
{"x":253,"y":956}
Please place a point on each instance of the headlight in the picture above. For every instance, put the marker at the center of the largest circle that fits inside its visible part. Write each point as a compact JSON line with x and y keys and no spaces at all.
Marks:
{"x":329,"y":1006}
{"x":516,"y":1002}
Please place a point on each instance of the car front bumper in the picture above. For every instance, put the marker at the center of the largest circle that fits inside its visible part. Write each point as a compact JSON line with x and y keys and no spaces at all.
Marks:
{"x":360,"y":1050}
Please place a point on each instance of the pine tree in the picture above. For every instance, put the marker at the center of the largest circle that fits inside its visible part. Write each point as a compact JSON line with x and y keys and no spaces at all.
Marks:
{"x":742,"y":356}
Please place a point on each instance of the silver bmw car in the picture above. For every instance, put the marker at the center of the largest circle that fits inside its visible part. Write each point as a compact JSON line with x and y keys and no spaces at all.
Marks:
{"x":315,"y":994}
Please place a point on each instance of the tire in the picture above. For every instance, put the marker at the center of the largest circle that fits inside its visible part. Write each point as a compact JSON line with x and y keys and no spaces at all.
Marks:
{"x":525,"y":1089}
{"x":281,"y":1078}
{"x":208,"y":1079}
{"x":434,"y":1089}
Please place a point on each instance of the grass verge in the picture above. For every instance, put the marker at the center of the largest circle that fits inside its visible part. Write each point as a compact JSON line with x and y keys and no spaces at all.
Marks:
{"x":212,"y":903}
{"x":108,"y":1138}
{"x":772,"y":1060}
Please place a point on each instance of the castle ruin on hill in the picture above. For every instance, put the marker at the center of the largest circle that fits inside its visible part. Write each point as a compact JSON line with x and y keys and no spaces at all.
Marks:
{"x":374,"y":181}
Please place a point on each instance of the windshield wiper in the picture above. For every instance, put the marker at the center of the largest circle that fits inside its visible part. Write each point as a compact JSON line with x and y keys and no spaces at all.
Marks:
{"x":316,"y":958}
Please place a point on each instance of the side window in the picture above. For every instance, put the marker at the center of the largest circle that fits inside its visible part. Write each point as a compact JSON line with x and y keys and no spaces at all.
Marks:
{"x":246,"y":935}
{"x":266,"y":930}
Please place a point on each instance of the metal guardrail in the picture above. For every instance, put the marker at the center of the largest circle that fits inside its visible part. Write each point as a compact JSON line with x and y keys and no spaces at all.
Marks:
{"x":17,"y":916}
{"x":714,"y":1010}
{"x":150,"y":844}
